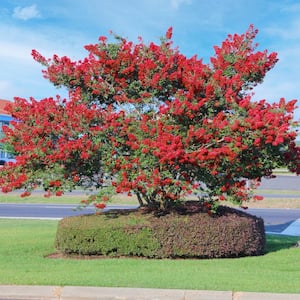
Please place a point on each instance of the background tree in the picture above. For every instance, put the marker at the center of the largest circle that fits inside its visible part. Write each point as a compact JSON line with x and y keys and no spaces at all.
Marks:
{"x":145,"y":119}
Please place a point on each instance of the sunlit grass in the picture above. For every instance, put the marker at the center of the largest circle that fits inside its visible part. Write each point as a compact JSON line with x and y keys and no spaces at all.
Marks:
{"x":68,"y":198}
{"x":283,"y":171}
{"x":282,"y":202}
{"x":38,"y":198}
{"x":277,"y":192}
{"x":25,"y":243}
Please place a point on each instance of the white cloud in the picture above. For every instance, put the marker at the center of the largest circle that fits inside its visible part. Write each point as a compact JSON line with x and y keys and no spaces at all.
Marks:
{"x":21,"y":75}
{"x":290,"y":30}
{"x":26,"y":13}
{"x":283,"y":81}
{"x":5,"y":89}
{"x":176,"y":3}
{"x":11,"y":50}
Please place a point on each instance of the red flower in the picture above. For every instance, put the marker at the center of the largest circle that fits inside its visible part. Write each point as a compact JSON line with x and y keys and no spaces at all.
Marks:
{"x":100,"y":205}
{"x":76,"y":178}
{"x":47,"y":195}
{"x":169,"y":33}
{"x":25,"y":194}
{"x":153,"y":121}
{"x":58,"y":193}
{"x":104,"y":198}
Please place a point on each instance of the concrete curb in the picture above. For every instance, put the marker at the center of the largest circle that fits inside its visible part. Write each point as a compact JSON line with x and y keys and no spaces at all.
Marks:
{"x":95,"y":293}
{"x":293,"y":229}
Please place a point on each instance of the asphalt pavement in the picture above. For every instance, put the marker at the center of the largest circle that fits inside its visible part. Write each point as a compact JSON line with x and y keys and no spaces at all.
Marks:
{"x":281,"y":183}
{"x":276,"y":220}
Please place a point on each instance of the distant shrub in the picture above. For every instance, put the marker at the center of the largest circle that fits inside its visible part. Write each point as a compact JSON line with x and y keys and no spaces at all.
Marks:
{"x":188,"y":233}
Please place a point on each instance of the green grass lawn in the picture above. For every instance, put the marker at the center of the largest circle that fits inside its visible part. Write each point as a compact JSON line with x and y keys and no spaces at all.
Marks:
{"x":39,"y":198}
{"x":281,"y":192}
{"x":26,"y":243}
{"x":69,"y":198}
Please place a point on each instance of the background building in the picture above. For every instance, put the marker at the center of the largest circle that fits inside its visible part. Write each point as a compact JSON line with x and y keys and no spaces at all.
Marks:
{"x":5,"y":118}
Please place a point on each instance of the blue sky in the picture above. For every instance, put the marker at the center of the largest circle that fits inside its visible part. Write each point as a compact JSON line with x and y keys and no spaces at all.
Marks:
{"x":63,"y":27}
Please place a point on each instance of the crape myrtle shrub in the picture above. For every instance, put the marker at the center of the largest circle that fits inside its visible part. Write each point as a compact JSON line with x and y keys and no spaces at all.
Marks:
{"x":145,"y":119}
{"x":187,"y":234}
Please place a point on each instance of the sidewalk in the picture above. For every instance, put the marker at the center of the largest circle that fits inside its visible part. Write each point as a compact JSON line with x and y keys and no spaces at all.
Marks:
{"x":95,"y":293}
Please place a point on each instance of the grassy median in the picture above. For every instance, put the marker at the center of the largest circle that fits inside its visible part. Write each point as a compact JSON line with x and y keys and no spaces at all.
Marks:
{"x":68,"y":198}
{"x":25,"y":245}
{"x":75,"y":198}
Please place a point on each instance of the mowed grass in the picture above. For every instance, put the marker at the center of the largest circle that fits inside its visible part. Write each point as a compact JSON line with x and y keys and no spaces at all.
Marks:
{"x":122,"y":199}
{"x":68,"y":198}
{"x":24,"y":245}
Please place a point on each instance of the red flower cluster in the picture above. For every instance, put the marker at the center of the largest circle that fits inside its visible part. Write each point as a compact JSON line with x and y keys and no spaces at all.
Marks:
{"x":148,"y":120}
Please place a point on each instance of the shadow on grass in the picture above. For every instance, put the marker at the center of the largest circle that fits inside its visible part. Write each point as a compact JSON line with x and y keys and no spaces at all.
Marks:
{"x":280,"y":242}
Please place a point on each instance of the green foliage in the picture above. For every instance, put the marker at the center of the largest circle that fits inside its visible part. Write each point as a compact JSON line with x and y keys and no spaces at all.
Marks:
{"x":109,"y":235}
{"x":188,"y":233}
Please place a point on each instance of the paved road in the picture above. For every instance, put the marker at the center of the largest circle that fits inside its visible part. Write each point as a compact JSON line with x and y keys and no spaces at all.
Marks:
{"x":281,"y":182}
{"x":276,"y":220}
{"x":46,"y":211}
